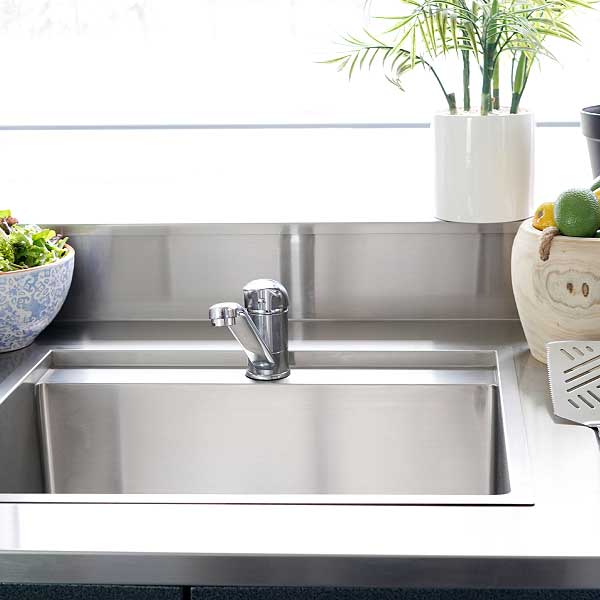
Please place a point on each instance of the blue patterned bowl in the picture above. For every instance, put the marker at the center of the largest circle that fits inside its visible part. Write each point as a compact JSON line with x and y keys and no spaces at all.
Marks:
{"x":30,"y":299}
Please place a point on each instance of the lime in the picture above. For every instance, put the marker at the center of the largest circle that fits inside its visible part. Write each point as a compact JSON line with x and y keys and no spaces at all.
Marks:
{"x":596,"y":184}
{"x":577,"y":213}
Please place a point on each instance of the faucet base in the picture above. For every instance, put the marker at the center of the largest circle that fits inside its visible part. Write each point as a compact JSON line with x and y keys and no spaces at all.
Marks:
{"x":265,"y":377}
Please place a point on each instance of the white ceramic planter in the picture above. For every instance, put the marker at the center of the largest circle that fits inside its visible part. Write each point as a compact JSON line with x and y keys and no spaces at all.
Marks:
{"x":484,"y":167}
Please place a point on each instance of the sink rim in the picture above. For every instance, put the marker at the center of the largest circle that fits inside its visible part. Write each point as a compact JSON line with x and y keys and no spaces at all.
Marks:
{"x":511,"y":421}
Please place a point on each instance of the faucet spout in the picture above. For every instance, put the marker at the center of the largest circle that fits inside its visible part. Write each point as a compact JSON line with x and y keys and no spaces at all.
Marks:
{"x":238,"y":321}
{"x":260,"y":328}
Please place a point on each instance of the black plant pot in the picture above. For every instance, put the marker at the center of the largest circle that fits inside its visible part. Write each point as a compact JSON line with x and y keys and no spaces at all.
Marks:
{"x":590,"y":125}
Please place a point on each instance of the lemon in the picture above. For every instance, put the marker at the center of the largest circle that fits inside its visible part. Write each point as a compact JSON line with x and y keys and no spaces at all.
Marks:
{"x":597,"y":194}
{"x":544,"y":216}
{"x":577,"y":213}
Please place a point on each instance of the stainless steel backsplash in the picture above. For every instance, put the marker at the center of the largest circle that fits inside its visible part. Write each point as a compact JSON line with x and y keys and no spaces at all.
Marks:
{"x":431,"y":270}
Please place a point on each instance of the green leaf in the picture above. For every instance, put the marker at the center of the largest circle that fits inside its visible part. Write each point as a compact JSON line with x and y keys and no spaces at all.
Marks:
{"x":424,"y":36}
{"x":30,"y":246}
{"x":343,"y":64}
{"x":374,"y":38}
{"x":373,"y":56}
{"x":454,"y":32}
{"x":441,"y":26}
{"x":353,"y":64}
{"x":44,"y":235}
{"x":429,"y":24}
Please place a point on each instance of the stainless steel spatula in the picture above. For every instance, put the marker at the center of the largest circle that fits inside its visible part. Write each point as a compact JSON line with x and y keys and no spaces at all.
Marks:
{"x":574,"y":375}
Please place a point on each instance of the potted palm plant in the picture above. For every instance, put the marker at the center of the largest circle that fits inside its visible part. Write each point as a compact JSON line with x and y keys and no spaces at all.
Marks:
{"x":483,"y":155}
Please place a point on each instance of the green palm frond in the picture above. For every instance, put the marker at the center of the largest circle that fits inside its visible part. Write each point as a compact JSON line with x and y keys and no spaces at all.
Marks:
{"x":426,"y":31}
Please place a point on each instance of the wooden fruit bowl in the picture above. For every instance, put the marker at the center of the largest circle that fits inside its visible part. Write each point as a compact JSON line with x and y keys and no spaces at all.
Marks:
{"x":557,"y":299}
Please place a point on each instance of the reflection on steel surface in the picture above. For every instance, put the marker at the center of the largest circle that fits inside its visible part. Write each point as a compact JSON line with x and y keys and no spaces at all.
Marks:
{"x":349,"y":427}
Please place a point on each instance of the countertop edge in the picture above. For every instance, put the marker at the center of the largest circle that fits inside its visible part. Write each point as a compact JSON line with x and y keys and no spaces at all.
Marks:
{"x":301,"y":570}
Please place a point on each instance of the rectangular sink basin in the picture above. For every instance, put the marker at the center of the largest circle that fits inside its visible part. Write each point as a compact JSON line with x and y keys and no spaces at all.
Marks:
{"x":344,"y":428}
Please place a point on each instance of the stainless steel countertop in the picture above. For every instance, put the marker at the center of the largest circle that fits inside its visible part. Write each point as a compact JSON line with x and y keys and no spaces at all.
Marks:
{"x":550,"y":544}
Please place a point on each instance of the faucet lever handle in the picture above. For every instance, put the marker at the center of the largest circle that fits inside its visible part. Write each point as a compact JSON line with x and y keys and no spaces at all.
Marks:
{"x":265,"y":296}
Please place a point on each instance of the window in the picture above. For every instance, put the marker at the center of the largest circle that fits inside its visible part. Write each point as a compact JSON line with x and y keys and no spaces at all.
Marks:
{"x":234,"y":61}
{"x":112,"y":65}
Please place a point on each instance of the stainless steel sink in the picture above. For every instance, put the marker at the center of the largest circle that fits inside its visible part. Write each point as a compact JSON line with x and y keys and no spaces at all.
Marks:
{"x":350,"y":427}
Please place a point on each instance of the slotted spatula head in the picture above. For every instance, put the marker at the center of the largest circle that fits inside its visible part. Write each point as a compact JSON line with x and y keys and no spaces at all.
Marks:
{"x":574,"y":375}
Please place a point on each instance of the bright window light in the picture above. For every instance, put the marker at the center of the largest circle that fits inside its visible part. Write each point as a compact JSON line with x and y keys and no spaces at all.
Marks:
{"x":229,"y":62}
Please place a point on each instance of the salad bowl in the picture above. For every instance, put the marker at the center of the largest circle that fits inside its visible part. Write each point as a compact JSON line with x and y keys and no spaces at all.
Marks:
{"x":31,"y":298}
